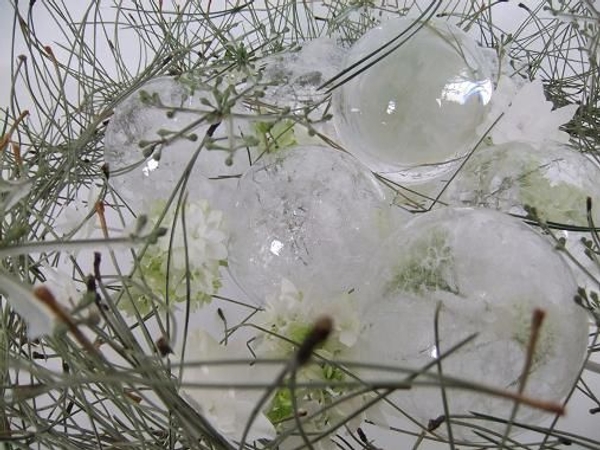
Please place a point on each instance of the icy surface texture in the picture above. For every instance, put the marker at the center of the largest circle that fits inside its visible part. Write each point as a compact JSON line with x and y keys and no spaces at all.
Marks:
{"x":142,"y":147}
{"x":556,"y":180}
{"x":292,"y":80}
{"x":417,"y":108}
{"x":296,"y":76}
{"x":490,"y":272}
{"x":312,"y":215}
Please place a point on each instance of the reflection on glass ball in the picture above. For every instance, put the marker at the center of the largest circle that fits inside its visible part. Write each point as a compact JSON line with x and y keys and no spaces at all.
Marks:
{"x":417,"y":110}
{"x":489,"y":272}
{"x":556,"y":180}
{"x":312,"y":215}
{"x":152,"y":137}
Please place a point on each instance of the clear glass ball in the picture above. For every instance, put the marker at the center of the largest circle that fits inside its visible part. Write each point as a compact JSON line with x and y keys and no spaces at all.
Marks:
{"x":489,"y":272}
{"x":312,"y":215}
{"x":412,"y":114}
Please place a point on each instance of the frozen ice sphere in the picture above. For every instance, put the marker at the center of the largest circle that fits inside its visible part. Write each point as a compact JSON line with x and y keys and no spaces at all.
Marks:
{"x":412,"y":114}
{"x":296,"y":76}
{"x":312,"y":215}
{"x":490,"y":272}
{"x":146,"y":172}
{"x":556,"y":180}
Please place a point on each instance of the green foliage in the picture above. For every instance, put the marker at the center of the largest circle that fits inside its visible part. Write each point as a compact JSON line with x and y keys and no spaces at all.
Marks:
{"x":425,"y":266}
{"x":274,"y":136}
{"x":281,"y":408}
{"x":556,"y":201}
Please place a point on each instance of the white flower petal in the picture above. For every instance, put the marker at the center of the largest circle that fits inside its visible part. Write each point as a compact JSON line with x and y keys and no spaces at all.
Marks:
{"x":39,"y":318}
{"x":261,"y":428}
{"x":562,"y":115}
{"x":61,"y":285}
{"x":528,"y":116}
{"x":74,"y":213}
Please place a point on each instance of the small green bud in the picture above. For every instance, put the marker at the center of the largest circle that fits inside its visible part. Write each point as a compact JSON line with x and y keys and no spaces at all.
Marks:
{"x":251,"y":141}
{"x":141,"y":223}
{"x":145,"y":97}
{"x":153,"y":238}
{"x":148,"y":151}
{"x":211,"y":145}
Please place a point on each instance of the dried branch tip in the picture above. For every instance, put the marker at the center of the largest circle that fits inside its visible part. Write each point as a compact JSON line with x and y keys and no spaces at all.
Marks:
{"x":163,"y":347}
{"x":319,"y":334}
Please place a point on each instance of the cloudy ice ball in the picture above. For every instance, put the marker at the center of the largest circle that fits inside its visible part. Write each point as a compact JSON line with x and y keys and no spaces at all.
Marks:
{"x":556,"y":180}
{"x":295,"y":76}
{"x":417,"y":110}
{"x":489,"y":271}
{"x":312,"y":215}
{"x":161,"y":108}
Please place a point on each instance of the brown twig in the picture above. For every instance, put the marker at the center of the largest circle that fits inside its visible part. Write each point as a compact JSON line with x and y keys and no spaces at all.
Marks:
{"x":43,"y":294}
{"x":536,"y":324}
{"x":4,"y":140}
{"x":99,"y":207}
{"x":318,"y":334}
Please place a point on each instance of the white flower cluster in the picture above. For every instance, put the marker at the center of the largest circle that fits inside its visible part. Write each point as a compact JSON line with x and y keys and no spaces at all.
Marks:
{"x":287,"y":320}
{"x":528,"y":116}
{"x":292,"y":315}
{"x":191,"y":253}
